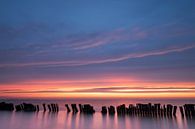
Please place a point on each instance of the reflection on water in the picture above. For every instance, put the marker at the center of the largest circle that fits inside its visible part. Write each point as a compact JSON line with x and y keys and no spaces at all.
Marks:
{"x":63,"y":120}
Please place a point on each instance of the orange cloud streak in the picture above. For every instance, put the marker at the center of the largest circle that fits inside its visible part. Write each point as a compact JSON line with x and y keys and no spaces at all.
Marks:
{"x":100,"y":88}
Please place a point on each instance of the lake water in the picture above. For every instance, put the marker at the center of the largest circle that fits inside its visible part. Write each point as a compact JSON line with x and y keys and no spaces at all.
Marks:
{"x":64,"y":120}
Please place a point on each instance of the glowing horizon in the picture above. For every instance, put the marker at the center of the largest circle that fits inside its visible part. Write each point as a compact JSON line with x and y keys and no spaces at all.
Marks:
{"x":111,"y":89}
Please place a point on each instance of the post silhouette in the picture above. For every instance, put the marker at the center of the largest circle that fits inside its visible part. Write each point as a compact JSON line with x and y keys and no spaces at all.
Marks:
{"x":104,"y":110}
{"x":74,"y":108}
{"x":111,"y":110}
{"x":44,"y":107}
{"x":67,"y":107}
{"x":6,"y":106}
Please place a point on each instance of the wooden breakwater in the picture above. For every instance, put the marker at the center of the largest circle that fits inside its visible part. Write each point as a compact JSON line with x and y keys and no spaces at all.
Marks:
{"x":142,"y":110}
{"x":139,"y":109}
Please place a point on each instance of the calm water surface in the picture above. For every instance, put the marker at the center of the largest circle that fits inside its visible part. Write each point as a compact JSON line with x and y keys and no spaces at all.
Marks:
{"x":64,"y":120}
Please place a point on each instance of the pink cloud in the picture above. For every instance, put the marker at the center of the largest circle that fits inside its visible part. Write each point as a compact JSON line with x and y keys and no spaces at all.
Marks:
{"x":109,"y":37}
{"x":105,"y":60}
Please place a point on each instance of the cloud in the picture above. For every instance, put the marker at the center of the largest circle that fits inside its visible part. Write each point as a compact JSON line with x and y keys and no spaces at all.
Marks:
{"x":105,"y":60}
{"x":105,"y":38}
{"x":75,"y":49}
{"x":122,"y":89}
{"x":83,"y":41}
{"x":128,"y":34}
{"x":99,"y":39}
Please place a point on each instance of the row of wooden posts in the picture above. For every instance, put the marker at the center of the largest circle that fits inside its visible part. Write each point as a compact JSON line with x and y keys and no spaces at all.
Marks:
{"x":187,"y":110}
{"x":142,"y":110}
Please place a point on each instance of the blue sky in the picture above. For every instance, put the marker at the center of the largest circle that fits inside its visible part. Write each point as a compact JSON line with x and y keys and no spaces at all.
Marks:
{"x":80,"y":40}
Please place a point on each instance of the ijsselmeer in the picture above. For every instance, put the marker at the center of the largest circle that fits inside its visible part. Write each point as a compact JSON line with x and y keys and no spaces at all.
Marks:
{"x":97,"y":64}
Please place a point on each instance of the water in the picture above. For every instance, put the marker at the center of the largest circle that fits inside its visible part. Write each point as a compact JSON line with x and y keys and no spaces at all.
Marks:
{"x":64,"y":120}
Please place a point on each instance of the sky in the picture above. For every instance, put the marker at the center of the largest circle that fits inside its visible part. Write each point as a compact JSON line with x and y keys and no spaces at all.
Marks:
{"x":100,"y":49}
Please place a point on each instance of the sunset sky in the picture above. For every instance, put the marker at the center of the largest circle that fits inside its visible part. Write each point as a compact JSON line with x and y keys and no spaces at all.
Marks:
{"x":102,"y":49}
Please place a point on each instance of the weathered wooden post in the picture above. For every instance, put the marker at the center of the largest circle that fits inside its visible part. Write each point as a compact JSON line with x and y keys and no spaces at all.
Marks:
{"x":104,"y":110}
{"x":169,"y":109}
{"x":57,"y":107}
{"x":87,"y":108}
{"x":37,"y":108}
{"x":74,"y":108}
{"x":67,"y":107}
{"x":174,"y":110}
{"x":49,"y":107}
{"x":181,"y":111}
{"x":81,"y":108}
{"x":44,"y":108}
{"x":6,"y":106}
{"x":111,"y":110}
